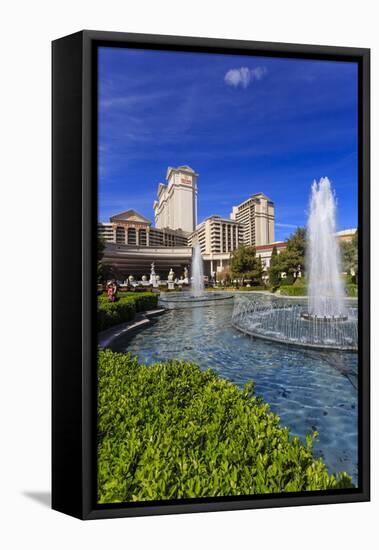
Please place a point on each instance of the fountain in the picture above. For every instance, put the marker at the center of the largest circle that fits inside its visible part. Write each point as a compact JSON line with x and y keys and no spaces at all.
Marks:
{"x":197,"y":272}
{"x":323,"y":320}
{"x":197,"y":296}
{"x":325,"y":290}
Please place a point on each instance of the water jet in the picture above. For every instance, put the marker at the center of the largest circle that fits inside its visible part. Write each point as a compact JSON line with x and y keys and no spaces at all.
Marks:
{"x":324,"y":319}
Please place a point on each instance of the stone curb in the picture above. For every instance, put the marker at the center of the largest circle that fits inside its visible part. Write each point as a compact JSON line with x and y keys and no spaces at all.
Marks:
{"x":140,"y":321}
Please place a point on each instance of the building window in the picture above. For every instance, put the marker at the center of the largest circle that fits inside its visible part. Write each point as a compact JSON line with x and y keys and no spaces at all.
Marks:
{"x":142,"y":238}
{"x":120,"y":235}
{"x":132,"y":235}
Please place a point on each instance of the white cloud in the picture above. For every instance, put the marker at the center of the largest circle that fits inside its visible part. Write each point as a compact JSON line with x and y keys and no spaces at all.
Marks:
{"x":258,"y":73}
{"x":244,"y":76}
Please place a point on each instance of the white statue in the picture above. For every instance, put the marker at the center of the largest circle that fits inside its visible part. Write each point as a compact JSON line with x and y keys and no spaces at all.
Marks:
{"x":185,"y":279}
{"x":153,"y":277}
{"x":170,"y":279}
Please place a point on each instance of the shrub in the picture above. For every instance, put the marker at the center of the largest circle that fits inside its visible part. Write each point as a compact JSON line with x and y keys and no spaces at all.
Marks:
{"x":145,"y":301}
{"x":352,"y":290}
{"x":293,"y":290}
{"x":287,"y":281}
{"x":171,"y":431}
{"x":300,"y":281}
{"x":124,"y":309}
{"x":114,"y":313}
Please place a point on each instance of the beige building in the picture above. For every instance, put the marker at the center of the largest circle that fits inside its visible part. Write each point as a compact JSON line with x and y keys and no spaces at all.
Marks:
{"x":265,"y":251}
{"x":167,"y":237}
{"x":130,"y":236}
{"x":346,"y":235}
{"x":217,"y":237}
{"x":176,"y":204}
{"x":133,"y":229}
{"x":257,"y":217}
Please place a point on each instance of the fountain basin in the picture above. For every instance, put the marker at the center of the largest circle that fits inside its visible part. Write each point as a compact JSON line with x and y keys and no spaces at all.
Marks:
{"x":171,"y":300}
{"x":286,"y":322}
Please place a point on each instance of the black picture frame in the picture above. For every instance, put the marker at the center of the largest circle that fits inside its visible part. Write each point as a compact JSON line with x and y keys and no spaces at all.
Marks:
{"x":74,"y":205}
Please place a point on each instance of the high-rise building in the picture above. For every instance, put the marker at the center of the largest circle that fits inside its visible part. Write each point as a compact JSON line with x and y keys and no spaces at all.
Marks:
{"x":218,"y":238}
{"x":176,"y":204}
{"x":256,"y":215}
{"x":217,"y":235}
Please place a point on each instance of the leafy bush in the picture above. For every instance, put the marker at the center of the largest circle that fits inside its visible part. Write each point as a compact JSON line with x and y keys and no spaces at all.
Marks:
{"x":145,"y":301}
{"x":171,"y":431}
{"x":293,"y":290}
{"x":124,"y":309}
{"x":352,"y":290}
{"x":300,"y":281}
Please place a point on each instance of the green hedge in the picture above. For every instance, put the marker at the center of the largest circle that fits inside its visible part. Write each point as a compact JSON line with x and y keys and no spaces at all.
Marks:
{"x":124,"y":309}
{"x":171,"y":431}
{"x":293,"y":290}
{"x":352,"y":290}
{"x":301,"y":290}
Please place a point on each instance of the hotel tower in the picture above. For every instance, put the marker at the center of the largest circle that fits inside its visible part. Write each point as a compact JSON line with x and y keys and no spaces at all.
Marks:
{"x":256,"y":215}
{"x":176,"y":204}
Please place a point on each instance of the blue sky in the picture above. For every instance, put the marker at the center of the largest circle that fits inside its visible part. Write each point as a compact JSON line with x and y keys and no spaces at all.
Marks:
{"x":245,"y":124}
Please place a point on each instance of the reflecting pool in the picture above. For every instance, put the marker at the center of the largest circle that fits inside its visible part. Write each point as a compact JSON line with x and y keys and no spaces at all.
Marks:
{"x":309,"y":389}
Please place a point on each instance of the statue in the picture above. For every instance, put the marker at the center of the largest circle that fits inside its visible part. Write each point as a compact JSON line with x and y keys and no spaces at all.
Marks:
{"x":153,"y":277}
{"x":170,"y":279}
{"x":185,"y":280}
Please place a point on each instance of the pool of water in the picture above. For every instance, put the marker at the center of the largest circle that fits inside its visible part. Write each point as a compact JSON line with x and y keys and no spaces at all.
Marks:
{"x":308,"y":389}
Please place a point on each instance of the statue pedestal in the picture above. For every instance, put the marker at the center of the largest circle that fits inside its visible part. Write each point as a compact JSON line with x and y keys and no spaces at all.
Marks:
{"x":171,"y":285}
{"x":153,"y":281}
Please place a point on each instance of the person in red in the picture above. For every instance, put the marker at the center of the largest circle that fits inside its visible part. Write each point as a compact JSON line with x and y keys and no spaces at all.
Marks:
{"x":110,"y":292}
{"x":114,"y":291}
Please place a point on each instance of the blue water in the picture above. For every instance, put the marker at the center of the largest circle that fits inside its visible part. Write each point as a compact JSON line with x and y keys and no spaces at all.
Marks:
{"x":309,"y":390}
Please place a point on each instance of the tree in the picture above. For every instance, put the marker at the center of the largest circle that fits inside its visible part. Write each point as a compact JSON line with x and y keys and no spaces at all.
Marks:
{"x":244,"y":264}
{"x":292,"y":259}
{"x":274,"y":272}
{"x":100,"y":254}
{"x":349,"y":256}
{"x":224,"y":276}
